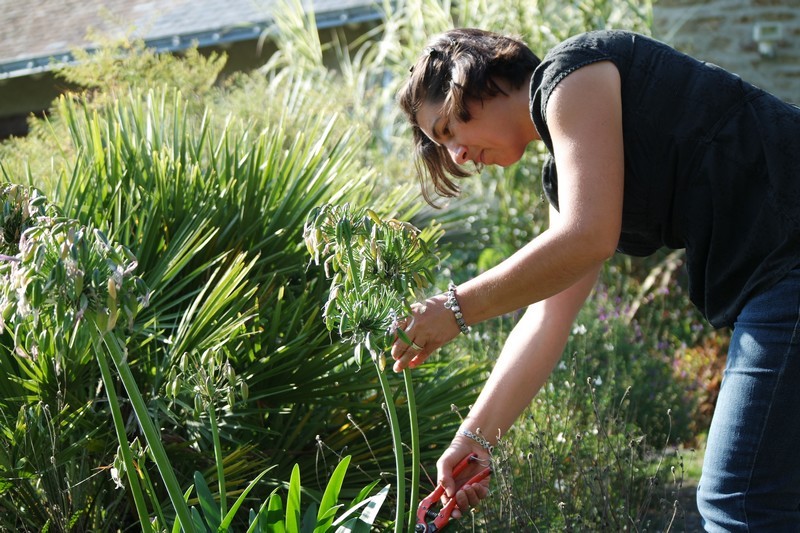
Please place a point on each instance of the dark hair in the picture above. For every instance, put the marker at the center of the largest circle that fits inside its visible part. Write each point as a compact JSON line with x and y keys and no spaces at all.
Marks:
{"x":457,"y":66}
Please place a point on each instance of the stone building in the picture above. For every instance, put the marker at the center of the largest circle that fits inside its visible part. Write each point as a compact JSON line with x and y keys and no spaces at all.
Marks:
{"x":757,"y":39}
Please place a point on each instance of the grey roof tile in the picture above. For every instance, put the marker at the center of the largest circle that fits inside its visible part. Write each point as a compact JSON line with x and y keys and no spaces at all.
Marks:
{"x":34,"y":31}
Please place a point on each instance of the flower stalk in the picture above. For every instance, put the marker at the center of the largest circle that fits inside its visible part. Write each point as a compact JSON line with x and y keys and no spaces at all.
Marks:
{"x":122,"y":437}
{"x":376,"y":268}
{"x":152,"y":436}
{"x":415,"y":452}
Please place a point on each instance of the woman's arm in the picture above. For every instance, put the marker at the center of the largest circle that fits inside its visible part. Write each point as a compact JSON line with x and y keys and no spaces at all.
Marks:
{"x":530,"y":353}
{"x":584,"y":115}
{"x":528,"y":357}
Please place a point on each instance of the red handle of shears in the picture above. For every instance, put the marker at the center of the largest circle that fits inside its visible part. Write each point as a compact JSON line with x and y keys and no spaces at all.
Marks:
{"x":440,"y":519}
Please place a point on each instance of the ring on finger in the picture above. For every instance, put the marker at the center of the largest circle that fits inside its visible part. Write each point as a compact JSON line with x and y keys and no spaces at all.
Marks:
{"x":416,"y":347}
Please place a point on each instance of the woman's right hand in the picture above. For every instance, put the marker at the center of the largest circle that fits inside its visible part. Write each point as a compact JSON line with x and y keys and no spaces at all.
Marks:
{"x":430,"y":326}
{"x":466,"y":496}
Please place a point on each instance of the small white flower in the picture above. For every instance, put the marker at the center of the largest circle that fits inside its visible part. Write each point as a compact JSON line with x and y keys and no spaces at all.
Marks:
{"x":580,"y":329}
{"x":598,"y":381}
{"x":560,"y":438}
{"x":115,"y":476}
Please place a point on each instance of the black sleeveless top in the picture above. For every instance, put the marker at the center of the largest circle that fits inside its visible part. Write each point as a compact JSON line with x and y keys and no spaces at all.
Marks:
{"x":712,"y":164}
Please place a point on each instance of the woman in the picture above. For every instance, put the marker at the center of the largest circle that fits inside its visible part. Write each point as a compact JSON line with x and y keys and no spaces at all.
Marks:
{"x":649,"y":148}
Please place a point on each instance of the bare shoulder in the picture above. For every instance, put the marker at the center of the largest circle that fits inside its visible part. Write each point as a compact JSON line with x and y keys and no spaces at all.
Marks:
{"x":591,"y":89}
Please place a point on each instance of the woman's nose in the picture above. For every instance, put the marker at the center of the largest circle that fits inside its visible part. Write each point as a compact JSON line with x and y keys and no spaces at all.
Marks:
{"x":458,"y":153}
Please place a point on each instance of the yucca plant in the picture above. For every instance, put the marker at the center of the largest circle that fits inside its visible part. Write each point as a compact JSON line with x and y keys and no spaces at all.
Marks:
{"x":215,"y":219}
{"x":61,"y":285}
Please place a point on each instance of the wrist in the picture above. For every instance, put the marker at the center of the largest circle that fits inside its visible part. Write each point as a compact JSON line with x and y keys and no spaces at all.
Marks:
{"x":453,"y":305}
{"x":476,"y":437}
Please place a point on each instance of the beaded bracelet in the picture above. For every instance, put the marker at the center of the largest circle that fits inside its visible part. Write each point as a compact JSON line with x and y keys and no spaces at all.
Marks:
{"x":477,"y":438}
{"x":452,"y":304}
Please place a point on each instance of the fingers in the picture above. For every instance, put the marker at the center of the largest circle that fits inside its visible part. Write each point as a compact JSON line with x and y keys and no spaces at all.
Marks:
{"x":429,"y":327}
{"x":410,"y":359}
{"x":469,"y":496}
{"x":408,"y":351}
{"x":451,"y":477}
{"x":446,"y":480}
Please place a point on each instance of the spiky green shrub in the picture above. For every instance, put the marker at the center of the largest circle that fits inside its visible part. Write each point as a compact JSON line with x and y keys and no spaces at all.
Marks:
{"x":215,"y":218}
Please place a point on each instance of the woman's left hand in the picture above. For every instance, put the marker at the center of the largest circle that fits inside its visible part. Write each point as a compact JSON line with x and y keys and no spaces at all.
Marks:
{"x":467,"y":496}
{"x":430,"y":326}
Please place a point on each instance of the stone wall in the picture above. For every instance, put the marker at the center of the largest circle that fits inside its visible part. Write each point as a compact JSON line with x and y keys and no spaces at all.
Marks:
{"x":757,"y":39}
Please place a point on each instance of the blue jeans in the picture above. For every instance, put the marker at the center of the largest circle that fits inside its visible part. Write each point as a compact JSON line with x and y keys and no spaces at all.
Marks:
{"x":751,"y":470}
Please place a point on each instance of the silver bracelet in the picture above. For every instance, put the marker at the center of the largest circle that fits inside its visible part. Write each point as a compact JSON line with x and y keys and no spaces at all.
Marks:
{"x":477,"y":438}
{"x":452,"y":304}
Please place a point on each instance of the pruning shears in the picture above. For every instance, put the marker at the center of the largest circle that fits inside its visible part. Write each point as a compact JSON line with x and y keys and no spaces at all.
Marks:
{"x":440,"y":519}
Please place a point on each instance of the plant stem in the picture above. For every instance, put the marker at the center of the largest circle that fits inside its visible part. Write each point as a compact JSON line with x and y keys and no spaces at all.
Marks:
{"x":150,"y":432}
{"x":122,"y":437}
{"x":398,"y":449}
{"x":223,"y":504}
{"x":415,"y":453}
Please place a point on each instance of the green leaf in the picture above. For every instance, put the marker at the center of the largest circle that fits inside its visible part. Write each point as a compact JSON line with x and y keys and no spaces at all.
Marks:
{"x":309,"y":519}
{"x":253,"y":518}
{"x":210,"y":508}
{"x":240,"y":500}
{"x":176,"y":527}
{"x":274,"y":520}
{"x":293,"y":501}
{"x":331,"y":496}
{"x":198,"y":522}
{"x":403,"y":336}
{"x":368,"y":515}
{"x":364,"y":493}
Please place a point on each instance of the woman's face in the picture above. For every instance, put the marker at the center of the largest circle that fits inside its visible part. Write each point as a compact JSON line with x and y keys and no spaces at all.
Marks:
{"x":497,"y":134}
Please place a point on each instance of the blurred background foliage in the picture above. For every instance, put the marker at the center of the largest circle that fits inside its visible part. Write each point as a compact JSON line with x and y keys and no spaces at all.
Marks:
{"x":208,"y":180}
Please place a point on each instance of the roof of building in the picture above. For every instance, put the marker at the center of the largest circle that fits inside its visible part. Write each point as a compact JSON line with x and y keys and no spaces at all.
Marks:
{"x":36,"y":33}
